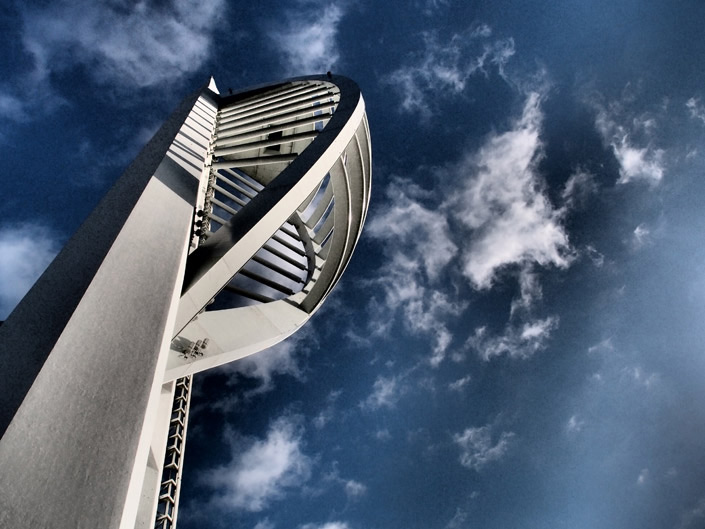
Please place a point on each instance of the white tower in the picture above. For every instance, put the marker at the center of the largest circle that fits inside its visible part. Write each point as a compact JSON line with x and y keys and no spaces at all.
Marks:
{"x":223,"y":237}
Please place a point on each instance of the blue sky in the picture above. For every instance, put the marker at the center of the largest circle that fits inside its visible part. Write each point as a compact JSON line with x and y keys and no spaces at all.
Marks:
{"x":518,"y":341}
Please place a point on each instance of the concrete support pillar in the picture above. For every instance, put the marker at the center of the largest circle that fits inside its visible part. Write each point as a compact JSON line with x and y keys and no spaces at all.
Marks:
{"x":83,"y":356}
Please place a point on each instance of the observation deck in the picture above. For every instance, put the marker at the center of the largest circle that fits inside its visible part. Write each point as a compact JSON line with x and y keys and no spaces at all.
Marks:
{"x":282,"y":199}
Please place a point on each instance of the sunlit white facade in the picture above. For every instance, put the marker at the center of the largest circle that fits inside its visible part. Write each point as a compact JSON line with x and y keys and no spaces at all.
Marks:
{"x":222,"y":238}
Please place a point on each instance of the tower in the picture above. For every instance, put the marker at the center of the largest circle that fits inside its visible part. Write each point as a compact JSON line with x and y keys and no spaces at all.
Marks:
{"x":222,"y":238}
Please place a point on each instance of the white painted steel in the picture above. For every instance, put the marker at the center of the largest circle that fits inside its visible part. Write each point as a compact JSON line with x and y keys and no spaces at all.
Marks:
{"x":238,"y":332}
{"x":83,"y":354}
{"x":278,"y":177}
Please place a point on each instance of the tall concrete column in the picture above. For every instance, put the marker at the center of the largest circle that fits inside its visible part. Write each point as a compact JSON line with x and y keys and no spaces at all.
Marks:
{"x":83,"y":355}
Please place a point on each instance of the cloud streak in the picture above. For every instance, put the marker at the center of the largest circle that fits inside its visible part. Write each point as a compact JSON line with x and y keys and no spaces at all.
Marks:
{"x":264,"y":471}
{"x":138,"y":46}
{"x":629,"y":139}
{"x":417,"y":241}
{"x":445,"y":67}
{"x":477,"y":448}
{"x":386,"y":392}
{"x":517,"y":341}
{"x":306,"y":41}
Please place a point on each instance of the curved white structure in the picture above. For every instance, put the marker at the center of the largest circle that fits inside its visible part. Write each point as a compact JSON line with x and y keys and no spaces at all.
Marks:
{"x":222,"y":238}
{"x":286,"y":195}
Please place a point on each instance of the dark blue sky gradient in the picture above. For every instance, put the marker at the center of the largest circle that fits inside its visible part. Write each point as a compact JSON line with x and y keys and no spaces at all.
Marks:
{"x":588,"y":411}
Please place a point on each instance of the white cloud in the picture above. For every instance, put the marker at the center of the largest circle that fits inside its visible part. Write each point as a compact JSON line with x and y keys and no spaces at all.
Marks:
{"x":483,"y":30}
{"x":579,"y":186}
{"x":422,"y":232}
{"x":643,"y":476}
{"x":444,"y":68}
{"x":432,"y":6}
{"x":142,"y":45}
{"x":264,"y":524}
{"x":637,"y":375}
{"x":458,"y":520}
{"x":518,"y":340}
{"x":307,"y":38}
{"x":326,"y":415}
{"x":574,"y":424}
{"x":477,"y":448}
{"x":696,"y":109}
{"x":596,"y":257}
{"x":25,"y":252}
{"x":385,"y":394}
{"x":459,"y":384}
{"x":502,"y":219}
{"x":280,"y":359}
{"x":354,"y":489}
{"x":693,"y":518}
{"x":264,"y":471}
{"x":418,"y":245}
{"x":530,"y":292}
{"x":12,"y":107}
{"x":642,"y":235}
{"x":383,"y":435}
{"x":503,"y":203}
{"x":636,"y":163}
{"x":605,"y":346}
{"x":327,"y":525}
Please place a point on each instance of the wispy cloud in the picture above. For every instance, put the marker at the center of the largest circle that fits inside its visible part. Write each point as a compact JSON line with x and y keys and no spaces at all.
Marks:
{"x":524,"y":334}
{"x":578,"y":188}
{"x":141,"y":45}
{"x":326,"y":415}
{"x":264,"y":524}
{"x":574,"y":424}
{"x":517,"y":341}
{"x":459,"y":384}
{"x":280,"y":359}
{"x":642,"y":235}
{"x":263,"y":471}
{"x":12,"y":107}
{"x":458,"y":520}
{"x":444,"y":67}
{"x":408,"y":223}
{"x":643,"y":477}
{"x":383,"y":435}
{"x":638,"y":376}
{"x":327,"y":525}
{"x":306,"y":40}
{"x":477,"y":447}
{"x":629,"y":136}
{"x":418,"y":245}
{"x":530,"y":292}
{"x":25,"y":252}
{"x":502,"y":220}
{"x":431,"y":7}
{"x":604,"y":347}
{"x":696,"y":109}
{"x":695,"y":516}
{"x":353,"y":489}
{"x":386,"y":392}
